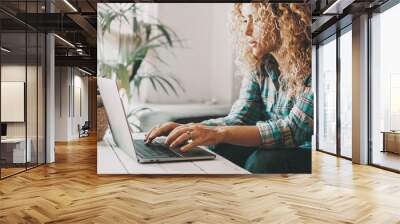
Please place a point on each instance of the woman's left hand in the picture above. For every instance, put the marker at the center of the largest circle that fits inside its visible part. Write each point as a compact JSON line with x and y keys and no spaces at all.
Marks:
{"x":195,"y":135}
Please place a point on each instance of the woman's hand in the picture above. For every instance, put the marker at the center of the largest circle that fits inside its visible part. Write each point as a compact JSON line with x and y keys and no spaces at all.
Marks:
{"x":163,"y":129}
{"x":195,"y":135}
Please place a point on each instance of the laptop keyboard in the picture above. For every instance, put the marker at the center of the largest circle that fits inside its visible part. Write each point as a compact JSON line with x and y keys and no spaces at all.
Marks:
{"x":156,"y":149}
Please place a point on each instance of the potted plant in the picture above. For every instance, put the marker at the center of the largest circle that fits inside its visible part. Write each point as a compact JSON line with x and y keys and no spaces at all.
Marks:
{"x":133,"y":48}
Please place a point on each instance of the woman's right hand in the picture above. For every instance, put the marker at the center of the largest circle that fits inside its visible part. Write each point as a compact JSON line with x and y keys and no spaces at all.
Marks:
{"x":157,"y":131}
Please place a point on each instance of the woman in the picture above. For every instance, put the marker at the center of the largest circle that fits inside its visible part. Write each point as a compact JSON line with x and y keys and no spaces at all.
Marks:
{"x":274,"y":113}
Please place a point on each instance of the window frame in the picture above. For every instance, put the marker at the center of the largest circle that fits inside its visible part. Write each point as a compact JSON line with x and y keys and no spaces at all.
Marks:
{"x":334,"y":37}
{"x":381,"y":9}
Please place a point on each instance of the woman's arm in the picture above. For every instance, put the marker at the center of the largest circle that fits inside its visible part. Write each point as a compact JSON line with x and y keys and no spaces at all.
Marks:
{"x":205,"y":135}
{"x":245,"y":111}
{"x":293,"y":130}
{"x":240,"y":135}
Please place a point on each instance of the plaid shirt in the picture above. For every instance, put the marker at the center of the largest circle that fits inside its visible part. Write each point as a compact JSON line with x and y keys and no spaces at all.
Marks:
{"x":282,"y":120}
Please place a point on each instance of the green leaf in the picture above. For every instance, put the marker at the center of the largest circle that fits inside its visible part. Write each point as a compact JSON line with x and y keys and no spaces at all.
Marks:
{"x":169,"y":84}
{"x":123,"y":75}
{"x":164,"y":31}
{"x":135,"y":47}
{"x":136,"y":26}
{"x":162,"y":85}
{"x":178,"y":83}
{"x":154,"y":85}
{"x":148,"y":29}
{"x":157,"y":56}
{"x":105,"y":70}
{"x":136,"y":82}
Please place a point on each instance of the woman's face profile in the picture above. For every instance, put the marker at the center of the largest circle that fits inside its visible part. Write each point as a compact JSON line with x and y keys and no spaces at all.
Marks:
{"x":257,"y":39}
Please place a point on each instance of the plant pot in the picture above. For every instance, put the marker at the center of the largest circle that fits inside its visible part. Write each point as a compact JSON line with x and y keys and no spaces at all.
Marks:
{"x":102,"y":122}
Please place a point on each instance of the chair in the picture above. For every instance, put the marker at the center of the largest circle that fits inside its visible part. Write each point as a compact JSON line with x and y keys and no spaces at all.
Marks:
{"x":84,"y":130}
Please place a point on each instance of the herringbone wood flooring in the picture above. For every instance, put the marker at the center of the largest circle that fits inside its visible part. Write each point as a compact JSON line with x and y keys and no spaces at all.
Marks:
{"x":70,"y":191}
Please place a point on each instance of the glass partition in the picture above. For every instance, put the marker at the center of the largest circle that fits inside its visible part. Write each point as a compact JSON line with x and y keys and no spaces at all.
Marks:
{"x":22,"y":77}
{"x":346,"y":93}
{"x":327,"y":96}
{"x":385,"y":89}
{"x":41,"y":97}
{"x":14,"y":153}
{"x":31,"y":87}
{"x":31,"y":98}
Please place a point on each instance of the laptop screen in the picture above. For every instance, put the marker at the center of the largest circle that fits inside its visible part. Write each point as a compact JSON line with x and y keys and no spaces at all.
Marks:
{"x":116,"y":115}
{"x":3,"y":129}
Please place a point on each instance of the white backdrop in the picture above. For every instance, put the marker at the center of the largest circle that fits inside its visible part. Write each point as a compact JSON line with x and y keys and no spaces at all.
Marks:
{"x":12,"y":101}
{"x":204,"y":65}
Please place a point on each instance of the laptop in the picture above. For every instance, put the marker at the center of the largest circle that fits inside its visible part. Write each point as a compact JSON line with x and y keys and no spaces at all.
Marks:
{"x":156,"y":151}
{"x":3,"y":131}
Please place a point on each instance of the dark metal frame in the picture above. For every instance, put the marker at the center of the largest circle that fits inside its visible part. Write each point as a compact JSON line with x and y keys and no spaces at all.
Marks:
{"x":44,"y":78}
{"x":45,"y":89}
{"x":338,"y":74}
{"x":369,"y":103}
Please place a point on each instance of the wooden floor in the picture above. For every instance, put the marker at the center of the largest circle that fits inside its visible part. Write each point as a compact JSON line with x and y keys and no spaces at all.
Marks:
{"x":386,"y":159}
{"x":10,"y":171}
{"x":70,"y":191}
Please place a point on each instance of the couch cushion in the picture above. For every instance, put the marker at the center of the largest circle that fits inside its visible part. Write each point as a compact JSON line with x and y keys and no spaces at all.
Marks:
{"x":161,"y":113}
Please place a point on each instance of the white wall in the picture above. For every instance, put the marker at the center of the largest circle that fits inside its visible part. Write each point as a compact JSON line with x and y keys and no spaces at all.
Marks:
{"x":12,"y":73}
{"x":80,"y":118}
{"x":66,"y":119}
{"x":205,"y":64}
{"x":62,"y":80}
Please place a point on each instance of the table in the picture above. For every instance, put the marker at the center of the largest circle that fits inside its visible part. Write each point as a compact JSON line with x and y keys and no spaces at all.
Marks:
{"x":391,"y":141}
{"x":112,"y":160}
{"x":18,"y":149}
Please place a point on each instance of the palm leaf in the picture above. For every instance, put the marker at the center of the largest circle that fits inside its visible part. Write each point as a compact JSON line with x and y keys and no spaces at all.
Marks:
{"x":148,"y":29}
{"x":165,"y":33}
{"x":153,"y":83}
{"x":161,"y":84}
{"x":178,"y":83}
{"x":157,"y":56}
{"x":168,"y":83}
{"x":136,"y":47}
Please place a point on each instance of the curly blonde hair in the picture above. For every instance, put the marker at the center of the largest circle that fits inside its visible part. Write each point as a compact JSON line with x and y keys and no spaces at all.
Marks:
{"x":286,"y":30}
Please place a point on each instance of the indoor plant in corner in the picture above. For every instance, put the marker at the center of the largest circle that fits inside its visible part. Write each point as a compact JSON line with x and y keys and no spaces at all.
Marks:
{"x":133,"y":47}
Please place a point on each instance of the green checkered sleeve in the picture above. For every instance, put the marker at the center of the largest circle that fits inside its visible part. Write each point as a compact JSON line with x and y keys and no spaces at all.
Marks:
{"x":294,"y":129}
{"x":247,"y":109}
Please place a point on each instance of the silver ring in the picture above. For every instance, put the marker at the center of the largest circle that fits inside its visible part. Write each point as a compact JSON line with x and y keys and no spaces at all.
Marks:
{"x":189,"y":133}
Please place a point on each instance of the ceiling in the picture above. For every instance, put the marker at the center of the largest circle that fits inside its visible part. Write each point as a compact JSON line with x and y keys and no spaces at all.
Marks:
{"x":75,"y":43}
{"x":75,"y":21}
{"x":329,"y":16}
